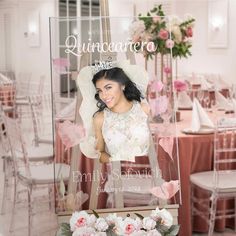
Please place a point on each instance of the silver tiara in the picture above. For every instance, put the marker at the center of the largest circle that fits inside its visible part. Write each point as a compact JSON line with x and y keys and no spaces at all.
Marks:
{"x":102,"y":65}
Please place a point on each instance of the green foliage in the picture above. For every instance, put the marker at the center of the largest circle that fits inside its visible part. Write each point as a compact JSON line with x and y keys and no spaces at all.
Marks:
{"x":64,"y":230}
{"x":139,"y":216}
{"x":95,"y":213}
{"x":156,"y":21}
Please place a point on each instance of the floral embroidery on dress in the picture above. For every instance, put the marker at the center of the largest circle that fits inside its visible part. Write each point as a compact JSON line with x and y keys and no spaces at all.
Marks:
{"x":126,"y":134}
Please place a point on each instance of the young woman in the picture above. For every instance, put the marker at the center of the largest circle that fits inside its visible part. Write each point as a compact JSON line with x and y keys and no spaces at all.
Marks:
{"x":121,"y":122}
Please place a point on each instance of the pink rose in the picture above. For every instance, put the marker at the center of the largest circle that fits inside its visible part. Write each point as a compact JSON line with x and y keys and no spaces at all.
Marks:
{"x":129,"y":229}
{"x":148,"y":223}
{"x":78,"y":220}
{"x":151,"y":47}
{"x":189,"y":32}
{"x":81,"y":222}
{"x":180,"y":85}
{"x":170,"y":43}
{"x":167,"y":70}
{"x":163,"y":34}
{"x":128,"y":226}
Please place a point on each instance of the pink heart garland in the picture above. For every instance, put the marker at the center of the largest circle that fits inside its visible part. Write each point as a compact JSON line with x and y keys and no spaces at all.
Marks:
{"x":167,"y":144}
{"x":70,"y":134}
{"x":161,"y":104}
{"x":167,"y":190}
{"x":156,"y":85}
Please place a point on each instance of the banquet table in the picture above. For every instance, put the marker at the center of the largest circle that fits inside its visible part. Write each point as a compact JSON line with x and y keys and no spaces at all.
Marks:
{"x":195,"y":155}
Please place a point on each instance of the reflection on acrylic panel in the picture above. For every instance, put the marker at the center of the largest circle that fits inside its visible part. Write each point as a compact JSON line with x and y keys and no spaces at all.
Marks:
{"x":129,"y":180}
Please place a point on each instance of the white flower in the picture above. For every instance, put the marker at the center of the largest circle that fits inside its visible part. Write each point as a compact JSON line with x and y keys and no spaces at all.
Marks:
{"x":92,"y":220}
{"x":137,"y":28}
{"x":139,"y":233}
{"x":174,"y":20}
{"x":148,"y":223}
{"x":101,"y":225}
{"x":113,"y":219}
{"x":153,"y":233}
{"x":139,"y":224}
{"x":177,"y":33}
{"x":79,"y":219}
{"x":84,"y":231}
{"x":146,"y":36}
{"x":164,"y":215}
{"x":127,"y":226}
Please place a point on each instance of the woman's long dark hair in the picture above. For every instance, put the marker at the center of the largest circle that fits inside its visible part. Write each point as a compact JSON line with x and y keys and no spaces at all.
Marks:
{"x":116,"y":74}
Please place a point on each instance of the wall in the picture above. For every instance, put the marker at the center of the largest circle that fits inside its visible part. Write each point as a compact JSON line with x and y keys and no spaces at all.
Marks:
{"x":204,"y":59}
{"x":35,"y":60}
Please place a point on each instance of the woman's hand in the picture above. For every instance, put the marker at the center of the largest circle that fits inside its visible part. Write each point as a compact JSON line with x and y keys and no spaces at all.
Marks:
{"x":104,"y":157}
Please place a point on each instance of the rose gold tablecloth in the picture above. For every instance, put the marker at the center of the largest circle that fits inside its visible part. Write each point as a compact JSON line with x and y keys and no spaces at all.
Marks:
{"x":7,"y":92}
{"x":7,"y":97}
{"x":195,"y":155}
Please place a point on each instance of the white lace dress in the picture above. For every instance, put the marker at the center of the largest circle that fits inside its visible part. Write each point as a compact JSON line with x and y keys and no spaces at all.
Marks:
{"x":126,"y":134}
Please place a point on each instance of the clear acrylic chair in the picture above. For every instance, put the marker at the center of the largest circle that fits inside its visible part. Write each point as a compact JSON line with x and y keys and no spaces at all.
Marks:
{"x":6,"y":158}
{"x":23,"y":84}
{"x":22,"y":102}
{"x":32,"y":176}
{"x":41,"y":115}
{"x":220,"y":183}
{"x":36,"y":153}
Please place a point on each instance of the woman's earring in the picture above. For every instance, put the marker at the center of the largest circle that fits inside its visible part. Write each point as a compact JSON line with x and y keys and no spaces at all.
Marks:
{"x":123,"y":89}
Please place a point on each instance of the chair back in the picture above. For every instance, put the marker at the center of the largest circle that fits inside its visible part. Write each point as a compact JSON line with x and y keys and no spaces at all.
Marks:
{"x":41,"y":114}
{"x":225,"y":153}
{"x":5,"y":147}
{"x":17,"y":144}
{"x":23,"y":83}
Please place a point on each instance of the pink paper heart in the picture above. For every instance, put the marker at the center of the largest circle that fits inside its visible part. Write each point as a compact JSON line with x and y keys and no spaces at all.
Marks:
{"x":159,"y":86}
{"x":81,"y":197}
{"x":61,"y":64}
{"x":167,"y":144}
{"x":152,"y":105}
{"x":167,"y":190}
{"x":161,"y":104}
{"x":70,"y":134}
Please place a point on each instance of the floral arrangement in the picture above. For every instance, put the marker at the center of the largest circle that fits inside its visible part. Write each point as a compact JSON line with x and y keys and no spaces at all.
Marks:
{"x":160,"y":222}
{"x":180,"y":85}
{"x":156,"y":33}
